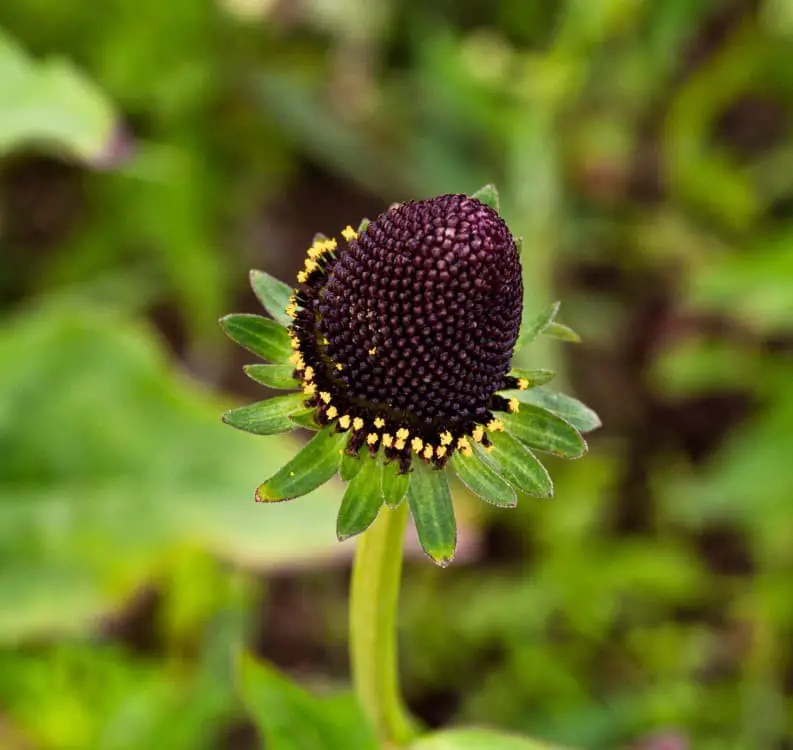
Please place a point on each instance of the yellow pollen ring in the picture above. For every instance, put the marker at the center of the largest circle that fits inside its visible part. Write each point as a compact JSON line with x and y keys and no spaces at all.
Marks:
{"x":514,"y":405}
{"x":302,"y":277}
{"x":488,"y":448}
{"x":344,"y":422}
{"x":371,"y":438}
{"x":349,"y":233}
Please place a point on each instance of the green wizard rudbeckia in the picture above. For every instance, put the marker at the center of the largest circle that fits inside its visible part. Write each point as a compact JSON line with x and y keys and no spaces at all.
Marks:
{"x":399,"y":339}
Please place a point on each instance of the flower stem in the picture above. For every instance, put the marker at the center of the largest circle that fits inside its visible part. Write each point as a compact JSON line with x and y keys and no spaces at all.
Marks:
{"x":374,"y":594}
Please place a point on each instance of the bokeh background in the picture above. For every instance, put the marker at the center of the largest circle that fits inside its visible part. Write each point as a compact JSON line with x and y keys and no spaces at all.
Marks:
{"x":158,"y":150}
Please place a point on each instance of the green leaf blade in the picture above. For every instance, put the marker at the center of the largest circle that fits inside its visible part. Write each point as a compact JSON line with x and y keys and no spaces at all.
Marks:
{"x":316,"y":463}
{"x":535,"y":377}
{"x":489,"y":196}
{"x":433,"y":513}
{"x":533,"y":325}
{"x":350,"y":465}
{"x":273,"y":294}
{"x":278,"y":377}
{"x":483,"y":481}
{"x":362,"y":501}
{"x":393,"y":485}
{"x":513,"y":461}
{"x":305,"y":418}
{"x":541,"y":429}
{"x":265,"y":338}
{"x":269,"y":417}
{"x":561,"y":332}
{"x":568,"y":408}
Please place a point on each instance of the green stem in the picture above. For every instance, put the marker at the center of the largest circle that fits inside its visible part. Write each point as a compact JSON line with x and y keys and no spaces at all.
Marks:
{"x":374,"y":595}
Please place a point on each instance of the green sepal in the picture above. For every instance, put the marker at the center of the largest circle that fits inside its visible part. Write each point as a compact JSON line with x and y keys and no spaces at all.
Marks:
{"x":273,"y":294}
{"x":269,"y":417}
{"x":305,"y":418}
{"x":533,"y":325}
{"x":273,"y":376}
{"x":363,"y":226}
{"x":489,"y":196}
{"x":541,"y":429}
{"x":537,"y":376}
{"x":483,"y":481}
{"x":433,"y":513}
{"x":351,"y":465}
{"x":562,"y":332}
{"x":568,"y":408}
{"x":362,"y":501}
{"x":519,"y":244}
{"x":263,"y":337}
{"x":316,"y":463}
{"x":513,"y":461}
{"x":393,"y":485}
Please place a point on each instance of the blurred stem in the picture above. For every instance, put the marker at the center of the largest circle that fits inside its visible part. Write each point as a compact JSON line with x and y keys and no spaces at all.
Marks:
{"x":374,"y":595}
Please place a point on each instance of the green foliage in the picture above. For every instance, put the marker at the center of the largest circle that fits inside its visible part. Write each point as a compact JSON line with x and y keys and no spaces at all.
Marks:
{"x":259,"y":335}
{"x":433,"y":513}
{"x":361,"y":502}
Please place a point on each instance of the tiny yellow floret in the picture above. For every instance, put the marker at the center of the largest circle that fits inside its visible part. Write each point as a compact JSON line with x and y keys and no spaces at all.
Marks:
{"x":309,"y":373}
{"x":309,"y":389}
{"x":302,"y":277}
{"x":417,"y":444}
{"x":388,"y":440}
{"x":332,"y":412}
{"x":446,"y":438}
{"x":495,"y":425}
{"x":478,"y":433}
{"x":357,"y":423}
{"x":523,"y":384}
{"x":402,"y":433}
{"x":349,"y":233}
{"x":325,"y":396}
{"x":488,"y":448}
{"x":371,"y":438}
{"x":399,"y":444}
{"x":514,"y":405}
{"x":379,"y":423}
{"x":440,"y":451}
{"x":339,"y":366}
{"x":344,"y":421}
{"x":427,"y":452}
{"x":373,"y":351}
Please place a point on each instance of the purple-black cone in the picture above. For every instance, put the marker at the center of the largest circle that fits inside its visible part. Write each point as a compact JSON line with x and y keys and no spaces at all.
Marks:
{"x":407,"y":333}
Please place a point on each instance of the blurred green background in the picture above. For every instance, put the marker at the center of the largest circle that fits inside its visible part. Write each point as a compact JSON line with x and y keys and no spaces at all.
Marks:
{"x":152,"y":152}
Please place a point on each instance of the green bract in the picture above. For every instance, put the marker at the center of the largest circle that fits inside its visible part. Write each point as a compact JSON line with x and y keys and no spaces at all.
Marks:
{"x":495,"y":458}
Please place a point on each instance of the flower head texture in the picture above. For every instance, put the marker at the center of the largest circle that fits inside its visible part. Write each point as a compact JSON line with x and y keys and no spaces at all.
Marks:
{"x":400,"y":337}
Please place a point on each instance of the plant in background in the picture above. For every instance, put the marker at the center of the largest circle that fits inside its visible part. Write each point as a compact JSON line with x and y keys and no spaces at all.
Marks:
{"x":398,"y":340}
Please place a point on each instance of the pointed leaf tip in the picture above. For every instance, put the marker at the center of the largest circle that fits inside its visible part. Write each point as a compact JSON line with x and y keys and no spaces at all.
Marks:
{"x":433,"y":513}
{"x":534,"y":324}
{"x":269,"y":417}
{"x":488,"y":195}
{"x":316,"y":463}
{"x":273,"y":294}
{"x":562,"y":332}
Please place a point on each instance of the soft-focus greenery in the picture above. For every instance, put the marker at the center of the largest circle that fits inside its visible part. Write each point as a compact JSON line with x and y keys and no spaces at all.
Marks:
{"x":643,"y":151}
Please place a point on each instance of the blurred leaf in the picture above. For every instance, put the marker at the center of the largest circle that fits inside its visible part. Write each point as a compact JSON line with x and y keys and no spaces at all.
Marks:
{"x":517,"y":464}
{"x":533,"y":325}
{"x":269,"y":417}
{"x":273,"y":376}
{"x":289,"y":718}
{"x":394,"y":486}
{"x":477,"y":739}
{"x":543,"y":430}
{"x":263,"y":337}
{"x":483,"y":481}
{"x":362,"y":501}
{"x":316,"y":463}
{"x":51,"y":104}
{"x":433,"y":513}
{"x":89,"y":513}
{"x":566,"y":407}
{"x":489,"y":196}
{"x":273,"y":294}
{"x":562,"y":332}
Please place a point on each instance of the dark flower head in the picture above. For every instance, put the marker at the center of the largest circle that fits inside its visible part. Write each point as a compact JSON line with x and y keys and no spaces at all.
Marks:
{"x":399,"y":338}
{"x":407,"y":333}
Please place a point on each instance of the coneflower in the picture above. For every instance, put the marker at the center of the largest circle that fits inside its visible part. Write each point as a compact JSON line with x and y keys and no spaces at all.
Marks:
{"x":400,"y":337}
